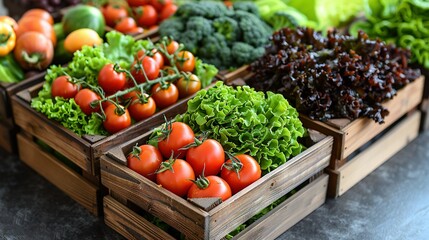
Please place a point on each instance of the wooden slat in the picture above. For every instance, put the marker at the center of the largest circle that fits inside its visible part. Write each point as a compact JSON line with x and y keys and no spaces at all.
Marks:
{"x":379,"y":152}
{"x":269,"y":188}
{"x":229,"y":76}
{"x":7,"y":138}
{"x":129,"y":224}
{"x":147,"y":33}
{"x":3,"y":105}
{"x":58,"y":174}
{"x":288,"y":213}
{"x":175,"y":211}
{"x":362,"y":130}
{"x":52,"y":133}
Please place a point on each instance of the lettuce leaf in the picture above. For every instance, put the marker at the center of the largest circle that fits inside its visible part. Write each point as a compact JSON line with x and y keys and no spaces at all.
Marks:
{"x":243,"y":120}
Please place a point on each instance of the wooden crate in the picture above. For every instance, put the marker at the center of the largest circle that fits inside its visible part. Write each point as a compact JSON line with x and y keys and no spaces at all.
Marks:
{"x":351,"y":137}
{"x":7,"y":125}
{"x":126,"y":186}
{"x":229,"y":76}
{"x":424,"y":106}
{"x":83,"y":151}
{"x":371,"y":157}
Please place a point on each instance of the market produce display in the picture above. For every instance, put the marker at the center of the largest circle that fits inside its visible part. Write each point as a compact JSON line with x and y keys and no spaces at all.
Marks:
{"x":402,"y":22}
{"x":222,"y":36}
{"x":107,"y":87}
{"x":337,"y":76}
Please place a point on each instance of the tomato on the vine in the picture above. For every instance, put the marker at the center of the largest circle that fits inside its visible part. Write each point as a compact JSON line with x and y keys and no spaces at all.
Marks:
{"x":176,"y":176}
{"x":113,"y":14}
{"x":62,"y":87}
{"x":188,"y":85}
{"x":139,"y":110}
{"x":110,"y":80}
{"x":146,"y":16}
{"x":207,"y":156}
{"x":167,"y":11}
{"x":160,"y":4}
{"x":157,"y":56}
{"x":145,"y":160}
{"x":126,"y":25}
{"x":240,"y":174}
{"x":84,"y":98}
{"x":146,"y":65}
{"x":115,"y":119}
{"x":178,"y":135}
{"x":208,"y":187}
{"x":165,"y":97}
{"x":172,"y":47}
{"x":185,"y":61}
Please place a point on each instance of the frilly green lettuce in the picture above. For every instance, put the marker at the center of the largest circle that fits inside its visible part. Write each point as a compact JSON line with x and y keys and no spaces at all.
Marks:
{"x":243,"y":120}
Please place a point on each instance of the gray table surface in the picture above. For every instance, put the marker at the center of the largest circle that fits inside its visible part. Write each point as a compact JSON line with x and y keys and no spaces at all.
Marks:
{"x":391,"y":203}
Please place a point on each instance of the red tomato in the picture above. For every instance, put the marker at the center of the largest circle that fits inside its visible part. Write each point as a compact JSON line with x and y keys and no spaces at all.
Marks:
{"x":147,"y":66}
{"x":146,"y":16}
{"x":180,"y":135}
{"x":140,"y":111}
{"x":137,"y":3}
{"x":126,"y":25}
{"x":39,"y":13}
{"x":167,"y":11}
{"x":241,"y":177}
{"x":159,"y":4}
{"x":185,"y":61}
{"x":177,"y":178}
{"x":165,"y":97}
{"x":145,"y":160}
{"x":113,"y":14}
{"x":172,"y":47}
{"x":84,"y":98}
{"x":188,"y":85}
{"x":34,"y":24}
{"x":33,"y":50}
{"x":61,"y":87}
{"x":211,"y":186}
{"x":208,"y":156}
{"x":110,"y":80}
{"x":157,"y":56}
{"x":115,"y":122}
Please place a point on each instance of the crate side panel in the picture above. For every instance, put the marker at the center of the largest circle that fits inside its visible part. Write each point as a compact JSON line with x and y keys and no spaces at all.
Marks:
{"x":362,"y":130}
{"x":175,"y":211}
{"x":288,"y":213}
{"x":129,"y":224}
{"x":58,"y":174}
{"x":246,"y":203}
{"x":379,"y":152}
{"x":7,"y":138}
{"x":56,"y":136}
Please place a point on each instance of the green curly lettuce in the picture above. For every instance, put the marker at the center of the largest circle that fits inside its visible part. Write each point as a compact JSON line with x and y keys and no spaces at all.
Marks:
{"x":243,"y":120}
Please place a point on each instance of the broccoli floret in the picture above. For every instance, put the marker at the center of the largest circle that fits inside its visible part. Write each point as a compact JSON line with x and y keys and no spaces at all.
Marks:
{"x":228,"y":27}
{"x":215,"y":50}
{"x":201,"y":26}
{"x":172,"y":27}
{"x":254,"y":31}
{"x":206,"y":9}
{"x":189,"y":40}
{"x":243,"y":53}
{"x":246,"y":6}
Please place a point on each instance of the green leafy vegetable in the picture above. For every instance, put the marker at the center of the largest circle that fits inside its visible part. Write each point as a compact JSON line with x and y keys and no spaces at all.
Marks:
{"x":246,"y":121}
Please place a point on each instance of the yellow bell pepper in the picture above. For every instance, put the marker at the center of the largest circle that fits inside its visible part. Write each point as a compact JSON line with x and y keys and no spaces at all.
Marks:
{"x":7,"y":39}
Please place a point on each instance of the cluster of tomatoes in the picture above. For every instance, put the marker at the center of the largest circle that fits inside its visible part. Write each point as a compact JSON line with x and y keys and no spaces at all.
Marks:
{"x":32,"y":39}
{"x":138,"y":93}
{"x":193,"y":167}
{"x":138,"y":15}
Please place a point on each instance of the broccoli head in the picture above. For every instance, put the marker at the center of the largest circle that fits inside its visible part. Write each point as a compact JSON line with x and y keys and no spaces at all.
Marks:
{"x":201,"y":26}
{"x":243,"y":53}
{"x":172,"y":27}
{"x":215,"y":50}
{"x":228,"y":27}
{"x":206,"y":9}
{"x":254,"y":31}
{"x":246,"y":6}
